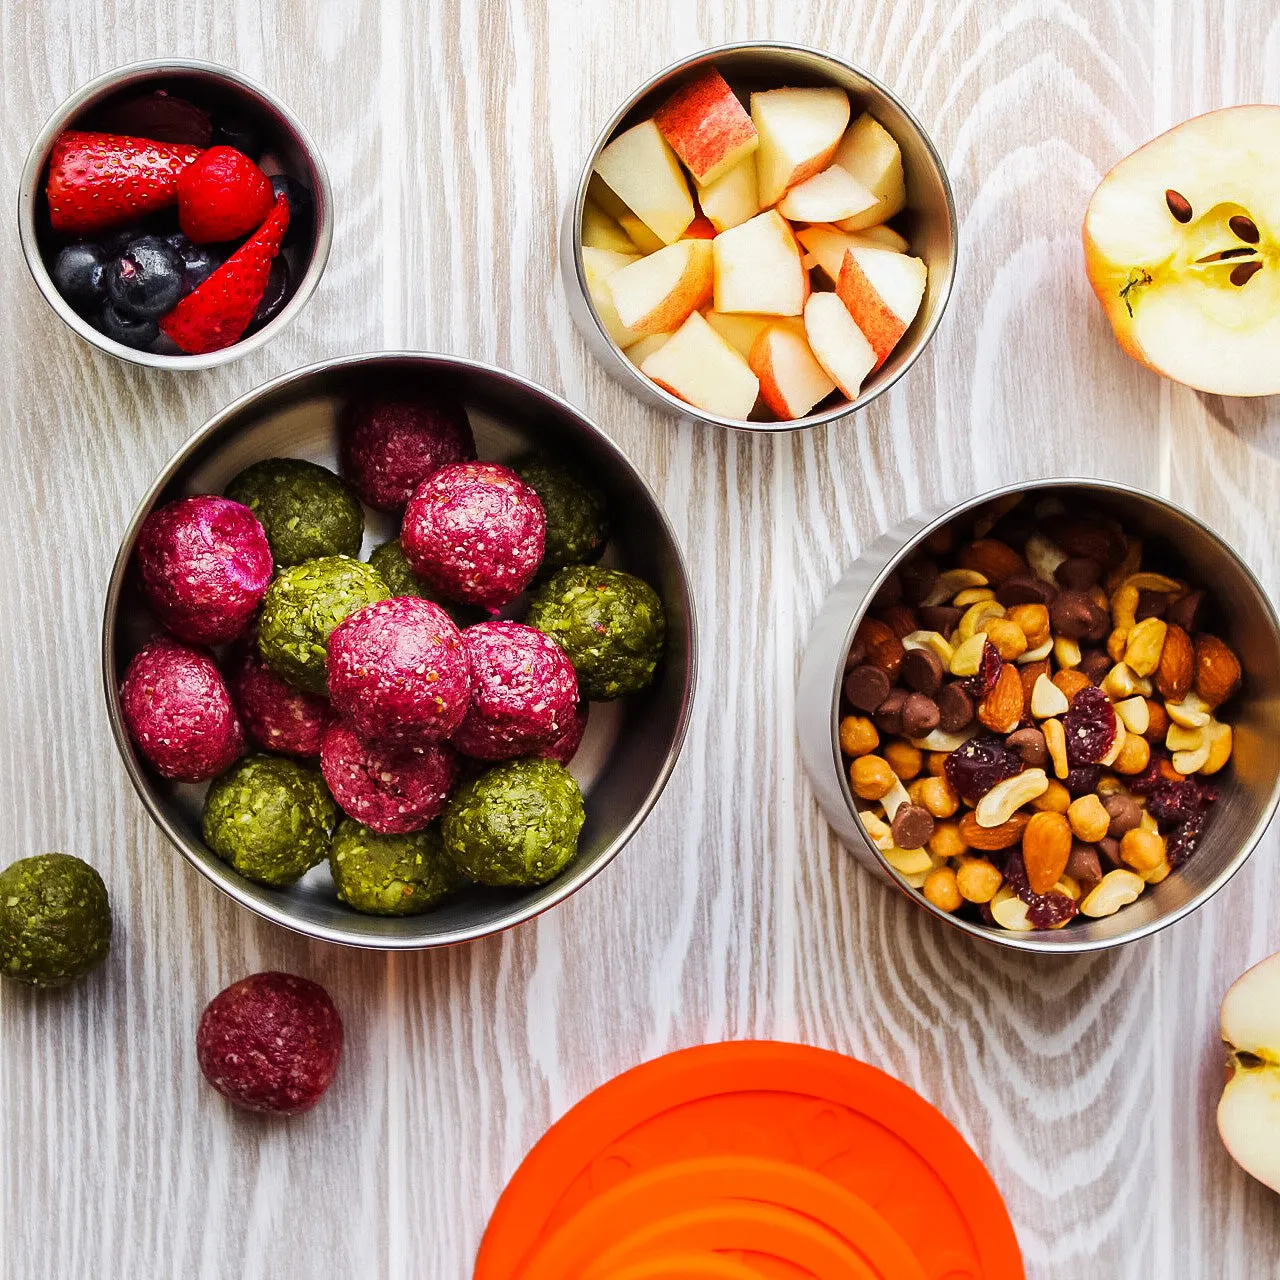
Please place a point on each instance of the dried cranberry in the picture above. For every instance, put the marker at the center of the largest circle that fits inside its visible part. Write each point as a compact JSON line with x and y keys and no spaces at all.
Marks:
{"x":1090,"y":724}
{"x":1184,"y":841}
{"x":1173,"y":803}
{"x":988,"y":672}
{"x":1083,"y":779}
{"x":1144,"y":783}
{"x":1044,"y":910}
{"x":977,"y":765}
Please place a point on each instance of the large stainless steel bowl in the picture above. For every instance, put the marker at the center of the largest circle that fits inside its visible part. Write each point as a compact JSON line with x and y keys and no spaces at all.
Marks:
{"x":631,"y":746}
{"x":1250,"y":786}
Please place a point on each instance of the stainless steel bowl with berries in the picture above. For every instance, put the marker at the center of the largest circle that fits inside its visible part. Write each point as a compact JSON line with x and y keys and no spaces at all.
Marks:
{"x":175,"y":214}
{"x":1047,"y":713}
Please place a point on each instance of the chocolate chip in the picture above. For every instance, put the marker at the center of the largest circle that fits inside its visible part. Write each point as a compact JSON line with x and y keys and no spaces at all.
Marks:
{"x":866,"y":687}
{"x":1095,"y":663}
{"x":920,"y":716}
{"x":922,"y":671}
{"x":955,"y":709}
{"x":888,"y":715}
{"x":918,"y":578}
{"x":1073,"y":614}
{"x":1078,"y":573}
{"x":1187,"y":612}
{"x":1024,"y":589}
{"x":890,"y":593}
{"x":1109,"y":848}
{"x":1084,"y":866}
{"x":1151,"y":604}
{"x":1125,"y":813}
{"x":1030,"y":745}
{"x":912,"y":826}
{"x":942,"y":618}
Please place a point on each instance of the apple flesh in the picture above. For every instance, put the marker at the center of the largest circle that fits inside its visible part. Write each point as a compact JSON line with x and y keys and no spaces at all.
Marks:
{"x":758,"y":268}
{"x":657,"y":293}
{"x":642,"y":239}
{"x":599,"y":266}
{"x":643,"y":172}
{"x":869,"y":153}
{"x":741,"y":331}
{"x":1182,"y":247}
{"x":791,"y":379}
{"x":799,"y":130}
{"x":700,"y":367}
{"x":600,"y":231}
{"x":707,"y":127}
{"x":826,"y":197}
{"x":882,"y":291}
{"x":827,"y":245}
{"x":837,"y":343}
{"x":731,"y":200}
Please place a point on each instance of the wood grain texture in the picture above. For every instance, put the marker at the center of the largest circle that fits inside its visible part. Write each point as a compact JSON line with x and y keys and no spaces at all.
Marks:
{"x":453,"y":133}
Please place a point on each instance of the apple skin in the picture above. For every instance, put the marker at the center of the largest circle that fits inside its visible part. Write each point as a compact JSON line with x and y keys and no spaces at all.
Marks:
{"x":657,"y":293}
{"x":800,"y":130}
{"x":707,"y":127}
{"x":837,"y":343}
{"x":791,"y":379}
{"x":865,"y":278}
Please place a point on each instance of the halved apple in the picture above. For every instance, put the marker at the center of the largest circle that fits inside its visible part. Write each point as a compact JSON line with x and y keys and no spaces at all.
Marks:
{"x":799,"y":130}
{"x":740,"y":331}
{"x":758,"y":268}
{"x":599,"y":266}
{"x":707,"y":127}
{"x":826,"y":197}
{"x":882,"y":291}
{"x":1182,"y":247}
{"x":731,"y":200}
{"x":700,"y":367}
{"x":657,"y":293}
{"x":837,"y":343}
{"x":600,"y":231}
{"x":1249,"y":1111}
{"x":870,"y":153}
{"x":827,"y":245}
{"x":791,"y":380}
{"x":644,"y":173}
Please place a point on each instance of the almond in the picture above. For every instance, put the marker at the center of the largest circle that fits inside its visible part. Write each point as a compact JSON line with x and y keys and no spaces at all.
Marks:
{"x":882,"y":646}
{"x":1177,"y":667}
{"x":1217,"y":670}
{"x":1046,"y":846}
{"x":1001,"y":709}
{"x":990,"y":839}
{"x":996,"y":559}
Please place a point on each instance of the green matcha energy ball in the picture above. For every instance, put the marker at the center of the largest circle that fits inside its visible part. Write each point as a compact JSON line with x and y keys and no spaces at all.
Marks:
{"x":576,"y":527}
{"x":306,"y":510}
{"x":55,"y":922}
{"x":302,"y":606}
{"x":390,"y":875}
{"x":610,"y":623}
{"x":394,"y":568}
{"x":516,"y":825}
{"x":270,"y":818}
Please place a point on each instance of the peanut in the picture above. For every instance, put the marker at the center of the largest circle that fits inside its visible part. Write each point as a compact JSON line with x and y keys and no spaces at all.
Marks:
{"x":1033,"y":619}
{"x":946,"y":841}
{"x":1220,"y":739}
{"x":858,"y":736}
{"x":1089,"y":820}
{"x":1181,"y":739}
{"x":936,"y":763}
{"x":1066,"y":653}
{"x":1193,"y":712}
{"x":1157,"y":875}
{"x":1115,"y":890}
{"x":904,"y":759}
{"x":1119,"y":683}
{"x":1134,"y":756}
{"x":1055,"y":738}
{"x":1143,"y":850}
{"x":1189,"y":762}
{"x":1144,"y":645}
{"x":941,"y":889}
{"x":871,"y":777}
{"x":1157,"y":721}
{"x":1124,"y":608}
{"x":1007,"y":797}
{"x":977,"y":879}
{"x":938,"y":796}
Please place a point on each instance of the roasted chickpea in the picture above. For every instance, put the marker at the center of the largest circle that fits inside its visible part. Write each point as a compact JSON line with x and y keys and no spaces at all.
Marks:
{"x":977,"y":879}
{"x":1034,"y":621}
{"x":1088,"y":818}
{"x":1134,"y":755}
{"x":941,"y":889}
{"x":871,"y":777}
{"x":1157,"y":721}
{"x":1056,"y":799}
{"x":904,"y":759}
{"x":938,"y":796}
{"x":946,"y":841}
{"x":936,"y":763}
{"x":858,"y":736}
{"x":1143,"y":850}
{"x":1071,"y":682}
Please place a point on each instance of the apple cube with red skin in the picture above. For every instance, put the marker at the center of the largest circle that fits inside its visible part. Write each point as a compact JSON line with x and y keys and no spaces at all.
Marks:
{"x":758,"y":268}
{"x":707,"y":127}
{"x":740,"y":330}
{"x":700,"y":367}
{"x":643,"y":172}
{"x":837,"y":343}
{"x":791,"y":379}
{"x":657,"y":293}
{"x":826,"y":197}
{"x":799,"y":130}
{"x":869,"y":152}
{"x":882,"y":291}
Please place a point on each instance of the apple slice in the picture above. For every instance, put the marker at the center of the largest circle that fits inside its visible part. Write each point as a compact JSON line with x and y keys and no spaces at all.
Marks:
{"x":643,"y":349}
{"x":741,"y":331}
{"x":870,"y":153}
{"x":599,"y":265}
{"x":799,"y":130}
{"x":883,"y":291}
{"x":731,"y":200}
{"x":827,"y":246}
{"x":644,"y":173}
{"x":791,"y":380}
{"x":837,"y":343}
{"x":599,"y":231}
{"x":642,"y":239}
{"x":656,"y":294}
{"x":706,"y":126}
{"x":758,"y":267}
{"x":700,"y":367}
{"x":1249,"y":1110}
{"x":834,"y":193}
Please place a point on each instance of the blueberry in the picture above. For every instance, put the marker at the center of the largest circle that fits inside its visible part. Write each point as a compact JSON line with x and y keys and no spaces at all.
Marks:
{"x":236,"y":130}
{"x":79,"y":272}
{"x":131,"y":331}
{"x":199,"y":261}
{"x":146,"y":280}
{"x":276,"y":296}
{"x":302,"y":209}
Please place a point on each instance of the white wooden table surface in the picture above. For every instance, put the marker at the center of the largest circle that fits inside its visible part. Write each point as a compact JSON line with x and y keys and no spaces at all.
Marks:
{"x":454,"y":130}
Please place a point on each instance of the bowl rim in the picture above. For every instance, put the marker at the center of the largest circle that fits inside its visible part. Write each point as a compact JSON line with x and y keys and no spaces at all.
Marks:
{"x":1052,"y":942}
{"x":227,"y":880}
{"x":121,"y":76}
{"x":680,"y":407}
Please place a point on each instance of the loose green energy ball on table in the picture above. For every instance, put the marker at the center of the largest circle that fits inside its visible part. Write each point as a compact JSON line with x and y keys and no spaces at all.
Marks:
{"x":576,"y":527}
{"x":306,"y":510}
{"x":270,"y":818}
{"x":55,"y":921}
{"x":390,"y":875}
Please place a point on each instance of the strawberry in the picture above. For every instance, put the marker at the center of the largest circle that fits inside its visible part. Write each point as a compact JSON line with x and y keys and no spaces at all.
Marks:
{"x":222,"y":196}
{"x":97,"y":180}
{"x":219,"y":311}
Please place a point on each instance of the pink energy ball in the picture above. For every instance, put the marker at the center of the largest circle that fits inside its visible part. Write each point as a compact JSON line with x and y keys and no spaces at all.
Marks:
{"x":392,"y":791}
{"x":277,"y":716}
{"x":475,"y":532}
{"x":523,"y":691}
{"x":398,"y":671}
{"x":565,"y":747}
{"x":179,"y":712}
{"x":205,"y":565}
{"x":390,"y":446}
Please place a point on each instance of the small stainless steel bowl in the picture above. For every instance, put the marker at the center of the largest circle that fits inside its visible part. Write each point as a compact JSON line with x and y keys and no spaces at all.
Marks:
{"x":928,"y":221}
{"x":631,"y":746}
{"x":212,"y":86}
{"x":1250,"y":784}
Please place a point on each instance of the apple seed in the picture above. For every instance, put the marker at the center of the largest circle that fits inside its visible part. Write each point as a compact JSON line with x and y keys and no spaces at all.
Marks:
{"x":1244,"y":272}
{"x":1179,"y":206}
{"x":1245,"y":228}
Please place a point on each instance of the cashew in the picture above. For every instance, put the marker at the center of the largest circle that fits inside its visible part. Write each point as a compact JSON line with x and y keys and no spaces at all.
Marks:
{"x":1119,"y":683}
{"x":1128,"y":566}
{"x":1154,"y":582}
{"x":894,"y":798}
{"x":1221,"y":740}
{"x":1007,"y":797}
{"x":1009,"y":911}
{"x":951,"y":582}
{"x":1066,"y":653}
{"x":878,"y":830}
{"x":910,"y":862}
{"x":1055,"y":738}
{"x":1157,"y":874}
{"x":1069,"y":887}
{"x":1036,"y":654}
{"x":1181,"y":739}
{"x":1124,"y":607}
{"x":973,"y":595}
{"x":1115,"y":890}
{"x":1144,"y":645}
{"x":975,"y":616}
{"x":1116,"y":642}
{"x":1135,"y":713}
{"x":934,"y":641}
{"x":1047,"y":699}
{"x":1044,"y":557}
{"x":941,"y":740}
{"x":1189,"y":762}
{"x":1193,"y":712}
{"x":967,"y":657}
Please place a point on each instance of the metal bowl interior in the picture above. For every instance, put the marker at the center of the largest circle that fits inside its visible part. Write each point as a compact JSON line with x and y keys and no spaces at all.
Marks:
{"x":286,"y":142}
{"x":928,"y":221}
{"x":1245,"y":618}
{"x":631,"y":746}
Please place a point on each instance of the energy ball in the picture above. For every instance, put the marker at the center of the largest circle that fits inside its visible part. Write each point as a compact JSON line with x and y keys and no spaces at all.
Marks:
{"x":475,"y":532}
{"x":565,"y":747}
{"x":205,"y":565}
{"x":398,"y":672}
{"x":390,"y":875}
{"x":179,"y":712}
{"x":576,"y":528}
{"x":610,"y":623}
{"x":301,"y":609}
{"x":391,"y":790}
{"x":389,"y":560}
{"x":270,"y":1042}
{"x":55,"y":921}
{"x":306,"y":510}
{"x":524,"y":693}
{"x":270,"y":818}
{"x":516,"y":825}
{"x":391,"y":445}
{"x":277,"y":716}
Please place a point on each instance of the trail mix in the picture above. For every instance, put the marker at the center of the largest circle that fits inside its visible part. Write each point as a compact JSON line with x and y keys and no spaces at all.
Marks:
{"x":1031,"y":717}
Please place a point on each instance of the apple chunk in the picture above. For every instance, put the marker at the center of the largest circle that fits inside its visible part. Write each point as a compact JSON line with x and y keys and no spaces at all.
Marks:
{"x":882,"y":291}
{"x":700,"y":367}
{"x":600,"y":231}
{"x":828,"y":245}
{"x":731,"y":200}
{"x":791,"y":379}
{"x":657,"y":293}
{"x":707,"y":127}
{"x":644,"y":173}
{"x":799,"y":130}
{"x":826,"y":197}
{"x":642,"y":239}
{"x":599,"y":266}
{"x":870,"y":154}
{"x":1249,"y":1110}
{"x":758,"y":268}
{"x":837,"y":343}
{"x":740,"y":331}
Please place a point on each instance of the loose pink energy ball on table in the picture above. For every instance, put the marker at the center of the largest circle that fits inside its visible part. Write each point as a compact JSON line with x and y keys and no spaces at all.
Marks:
{"x":179,"y":712}
{"x":205,"y":564}
{"x":391,"y":790}
{"x":278,"y":717}
{"x":524,"y":693}
{"x":398,"y":672}
{"x":475,"y":532}
{"x":565,"y":747}
{"x":270,"y":1042}
{"x":391,"y":445}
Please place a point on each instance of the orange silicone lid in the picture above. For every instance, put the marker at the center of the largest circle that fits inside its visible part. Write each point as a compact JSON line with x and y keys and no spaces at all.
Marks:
{"x":855,"y":1125}
{"x":686,"y":1266}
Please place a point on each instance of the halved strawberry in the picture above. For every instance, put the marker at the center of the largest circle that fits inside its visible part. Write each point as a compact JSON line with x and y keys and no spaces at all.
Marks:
{"x":219,"y":311}
{"x":97,"y":180}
